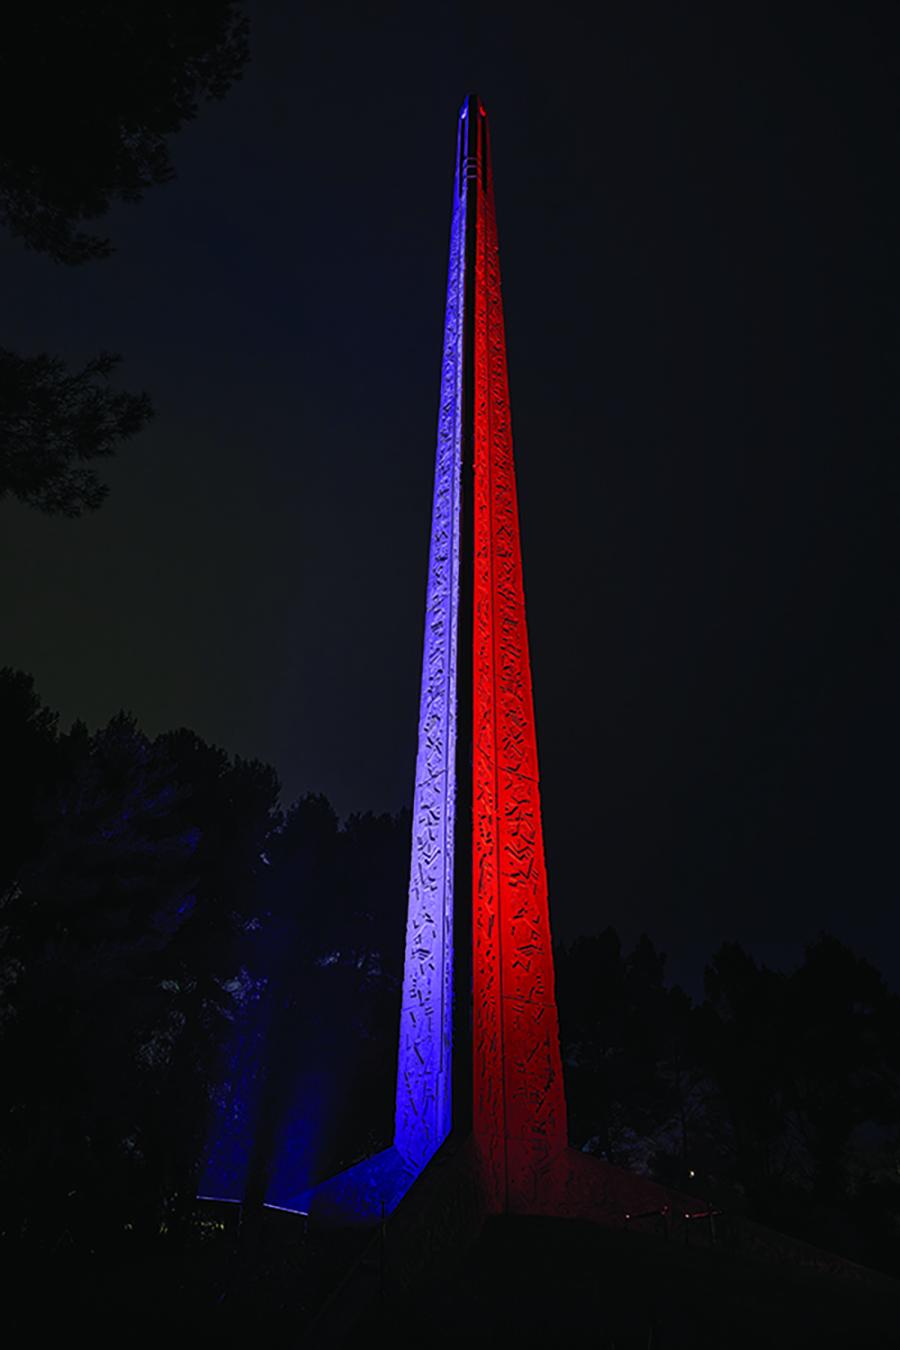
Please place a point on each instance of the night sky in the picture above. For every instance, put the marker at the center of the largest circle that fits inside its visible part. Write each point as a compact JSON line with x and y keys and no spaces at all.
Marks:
{"x":699,"y":217}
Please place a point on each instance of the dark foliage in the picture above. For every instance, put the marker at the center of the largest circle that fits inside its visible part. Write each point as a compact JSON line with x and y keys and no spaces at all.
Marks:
{"x":121,"y":975}
{"x":28,"y":734}
{"x":90,"y":91}
{"x":53,"y":422}
{"x":157,"y":904}
{"x":154,"y":899}
{"x":778,"y":1096}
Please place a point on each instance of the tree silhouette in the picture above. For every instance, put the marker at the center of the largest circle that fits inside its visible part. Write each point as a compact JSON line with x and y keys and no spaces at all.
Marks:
{"x":90,"y":91}
{"x":84,"y":919}
{"x":157,"y":909}
{"x":28,"y":734}
{"x":742,"y":1039}
{"x":121,"y":970}
{"x":798,"y":1063}
{"x":620,"y":1027}
{"x":53,"y":422}
{"x":846,"y":1068}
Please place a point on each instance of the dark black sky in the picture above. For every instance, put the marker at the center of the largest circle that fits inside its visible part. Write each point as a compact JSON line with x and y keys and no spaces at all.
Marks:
{"x":700,"y":221}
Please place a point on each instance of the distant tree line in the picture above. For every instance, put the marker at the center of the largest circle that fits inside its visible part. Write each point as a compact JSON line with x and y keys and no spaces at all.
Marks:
{"x":152,"y":895}
{"x":778,"y":1096}
{"x":155,"y":898}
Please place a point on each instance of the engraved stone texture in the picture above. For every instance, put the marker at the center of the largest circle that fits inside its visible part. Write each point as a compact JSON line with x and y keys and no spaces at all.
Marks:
{"x":422,"y":1117}
{"x":520,"y":1116}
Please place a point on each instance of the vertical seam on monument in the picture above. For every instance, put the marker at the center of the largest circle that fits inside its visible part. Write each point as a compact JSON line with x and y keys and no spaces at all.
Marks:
{"x":487,"y":460}
{"x":463,"y":1049}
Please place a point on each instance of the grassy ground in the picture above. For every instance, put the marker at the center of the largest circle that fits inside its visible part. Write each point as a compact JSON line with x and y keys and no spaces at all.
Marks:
{"x":523,"y":1283}
{"x":545,"y":1282}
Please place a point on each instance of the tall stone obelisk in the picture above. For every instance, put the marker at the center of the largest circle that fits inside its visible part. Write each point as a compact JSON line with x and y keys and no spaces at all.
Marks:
{"x":477,"y":837}
{"x":478,"y":1046}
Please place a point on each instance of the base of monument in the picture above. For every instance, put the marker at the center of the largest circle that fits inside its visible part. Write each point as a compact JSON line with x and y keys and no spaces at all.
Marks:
{"x":363,"y":1194}
{"x":672,"y":1248}
{"x":543,"y":1282}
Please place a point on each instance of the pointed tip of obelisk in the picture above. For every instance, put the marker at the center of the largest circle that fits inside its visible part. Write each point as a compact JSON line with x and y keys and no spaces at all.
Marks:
{"x":472,"y":106}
